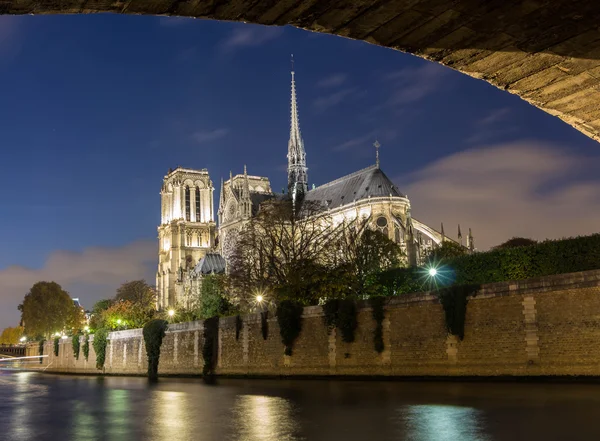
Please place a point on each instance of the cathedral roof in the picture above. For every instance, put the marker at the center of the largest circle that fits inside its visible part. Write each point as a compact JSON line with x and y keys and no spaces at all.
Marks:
{"x":211,"y":263}
{"x":370,"y":181}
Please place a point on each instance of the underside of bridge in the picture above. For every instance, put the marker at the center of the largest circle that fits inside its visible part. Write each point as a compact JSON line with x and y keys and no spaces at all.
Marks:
{"x":545,"y":51}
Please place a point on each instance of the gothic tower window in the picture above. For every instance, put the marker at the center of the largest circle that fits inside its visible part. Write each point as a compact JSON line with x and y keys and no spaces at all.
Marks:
{"x":198,"y":204}
{"x":187,"y":203}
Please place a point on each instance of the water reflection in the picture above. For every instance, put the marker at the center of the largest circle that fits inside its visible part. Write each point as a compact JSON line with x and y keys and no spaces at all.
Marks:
{"x":172,"y":416}
{"x":443,"y":423}
{"x":260,"y":417}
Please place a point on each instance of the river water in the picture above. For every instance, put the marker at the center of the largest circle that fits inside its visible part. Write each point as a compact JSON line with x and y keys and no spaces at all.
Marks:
{"x":35,"y":406}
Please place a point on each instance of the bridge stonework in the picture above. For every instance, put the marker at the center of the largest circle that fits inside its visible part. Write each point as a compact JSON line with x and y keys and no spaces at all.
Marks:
{"x":538,"y":327}
{"x":547,"y":51}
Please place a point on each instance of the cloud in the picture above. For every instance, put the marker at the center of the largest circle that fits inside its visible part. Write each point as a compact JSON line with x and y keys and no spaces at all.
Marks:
{"x":495,"y":116}
{"x":10,"y":28}
{"x":245,"y":35}
{"x":211,"y":135}
{"x":91,"y":275}
{"x":523,"y":188}
{"x":334,"y":80}
{"x":364,"y":141}
{"x":488,"y":128}
{"x":414,"y":84}
{"x":325,"y":102}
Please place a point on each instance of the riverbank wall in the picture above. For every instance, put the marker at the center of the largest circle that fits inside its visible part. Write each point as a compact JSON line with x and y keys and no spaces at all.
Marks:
{"x":548,"y":326}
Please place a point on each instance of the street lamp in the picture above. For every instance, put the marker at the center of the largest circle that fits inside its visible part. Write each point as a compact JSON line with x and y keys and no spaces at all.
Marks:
{"x":432,"y":272}
{"x":118,"y":321}
{"x":259,"y":298}
{"x":23,"y":339}
{"x":86,"y":329}
{"x":171,"y":312}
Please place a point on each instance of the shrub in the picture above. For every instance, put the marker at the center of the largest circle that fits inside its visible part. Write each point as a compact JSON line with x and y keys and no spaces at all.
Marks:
{"x":264,"y":324}
{"x":378,"y":313}
{"x":454,"y":301}
{"x":41,"y":349}
{"x":330,"y":311}
{"x":75,"y":343}
{"x":289,"y":318}
{"x":86,"y":346}
{"x":100,"y":342}
{"x":56,"y":340}
{"x":210,"y":348}
{"x":154,"y":332}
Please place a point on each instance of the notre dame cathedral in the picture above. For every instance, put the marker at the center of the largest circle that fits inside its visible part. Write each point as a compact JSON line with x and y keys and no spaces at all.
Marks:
{"x":193,"y":244}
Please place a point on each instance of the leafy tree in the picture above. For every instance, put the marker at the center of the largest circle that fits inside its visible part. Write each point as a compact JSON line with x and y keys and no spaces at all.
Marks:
{"x":515,"y":242}
{"x":447,"y":251}
{"x":213,"y":301}
{"x":139,"y":293}
{"x":47,"y":309}
{"x":11,"y":336}
{"x":125,"y":314}
{"x":97,"y":315}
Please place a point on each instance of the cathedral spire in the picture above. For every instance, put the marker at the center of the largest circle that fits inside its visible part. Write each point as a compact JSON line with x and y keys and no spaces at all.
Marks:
{"x":246,"y":184}
{"x":297,"y":171}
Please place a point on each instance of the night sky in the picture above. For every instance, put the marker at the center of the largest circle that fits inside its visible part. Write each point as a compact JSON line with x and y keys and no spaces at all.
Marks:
{"x":95,"y":109}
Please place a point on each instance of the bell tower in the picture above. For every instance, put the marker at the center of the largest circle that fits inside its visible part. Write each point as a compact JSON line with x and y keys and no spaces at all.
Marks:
{"x":187,"y":229}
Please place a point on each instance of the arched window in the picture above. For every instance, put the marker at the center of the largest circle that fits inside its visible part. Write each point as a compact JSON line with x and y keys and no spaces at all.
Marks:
{"x":197,"y":204}
{"x":187,"y":203}
{"x":397,"y":235}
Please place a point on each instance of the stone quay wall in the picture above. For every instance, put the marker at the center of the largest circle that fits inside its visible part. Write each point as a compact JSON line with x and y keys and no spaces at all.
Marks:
{"x":539,"y":327}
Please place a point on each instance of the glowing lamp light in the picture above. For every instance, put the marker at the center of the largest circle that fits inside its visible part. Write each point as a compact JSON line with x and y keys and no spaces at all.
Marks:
{"x":118,"y":321}
{"x":64,"y":337}
{"x":23,"y":339}
{"x":259,"y":298}
{"x":171,"y":312}
{"x":57,"y":334}
{"x":86,"y":329}
{"x":432,"y":272}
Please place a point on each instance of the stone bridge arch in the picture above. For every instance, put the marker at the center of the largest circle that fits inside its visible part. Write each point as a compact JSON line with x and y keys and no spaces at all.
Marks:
{"x":545,"y":51}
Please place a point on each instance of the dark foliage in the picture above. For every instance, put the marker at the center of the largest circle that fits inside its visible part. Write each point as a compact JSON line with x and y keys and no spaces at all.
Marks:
{"x":41,"y":349}
{"x":56,"y":340}
{"x":454,"y":300}
{"x":154,"y":331}
{"x":378,"y":312}
{"x":289,"y":318}
{"x":346,"y":320}
{"x":210,"y":348}
{"x":264,"y":324}
{"x":86,"y":346}
{"x":330,"y":311}
{"x":100,"y":342}
{"x":238,"y":326}
{"x":515,"y":242}
{"x":76,"y":344}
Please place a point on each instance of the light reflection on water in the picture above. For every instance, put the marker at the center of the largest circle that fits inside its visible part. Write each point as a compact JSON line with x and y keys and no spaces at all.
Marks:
{"x":443,"y":423}
{"x":48,"y":407}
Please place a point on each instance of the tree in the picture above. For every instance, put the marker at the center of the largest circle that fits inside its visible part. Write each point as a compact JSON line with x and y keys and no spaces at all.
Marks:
{"x":47,"y":309}
{"x":213,"y":301}
{"x":97,"y":315}
{"x":11,"y":336}
{"x":276,"y":249}
{"x":515,"y":242}
{"x":447,"y":251}
{"x":139,"y":293}
{"x":124,"y":314}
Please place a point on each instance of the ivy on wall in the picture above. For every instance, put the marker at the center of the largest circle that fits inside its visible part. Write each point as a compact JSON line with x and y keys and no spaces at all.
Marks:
{"x":100,"y":342}
{"x":454,"y":301}
{"x":210,"y":348}
{"x":154,"y":331}
{"x":76,"y":344}
{"x":86,"y":346}
{"x":341,"y":314}
{"x":238,"y":326}
{"x":378,"y":313}
{"x":289,"y":318}
{"x":41,"y":349}
{"x":264,"y":324}
{"x":56,"y":340}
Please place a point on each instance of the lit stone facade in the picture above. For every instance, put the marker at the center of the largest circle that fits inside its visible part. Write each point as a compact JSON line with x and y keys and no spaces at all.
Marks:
{"x":185,"y":239}
{"x":187,"y":230}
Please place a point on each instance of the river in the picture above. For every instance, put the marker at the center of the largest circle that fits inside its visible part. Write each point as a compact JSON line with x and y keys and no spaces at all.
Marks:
{"x":35,"y":406}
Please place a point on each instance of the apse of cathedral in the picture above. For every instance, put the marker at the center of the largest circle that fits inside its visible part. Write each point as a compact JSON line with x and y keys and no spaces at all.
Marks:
{"x":192,"y":244}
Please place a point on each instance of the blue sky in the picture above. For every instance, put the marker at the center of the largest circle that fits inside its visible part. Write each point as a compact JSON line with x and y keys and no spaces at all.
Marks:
{"x":95,"y":109}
